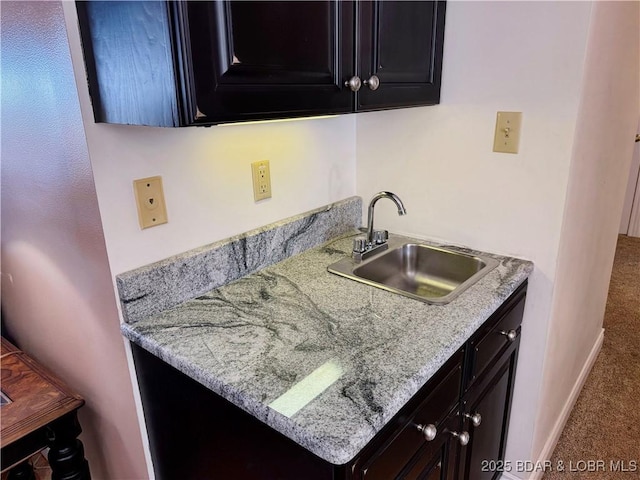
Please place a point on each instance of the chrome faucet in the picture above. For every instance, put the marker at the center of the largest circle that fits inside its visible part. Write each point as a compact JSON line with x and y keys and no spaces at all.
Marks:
{"x":376,"y":240}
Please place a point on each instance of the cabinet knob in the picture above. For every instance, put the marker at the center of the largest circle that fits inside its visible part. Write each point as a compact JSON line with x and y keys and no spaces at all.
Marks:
{"x":373,"y":83}
{"x":353,"y":83}
{"x":476,"y":418}
{"x":429,"y":431}
{"x":463,"y":437}
{"x":510,"y":334}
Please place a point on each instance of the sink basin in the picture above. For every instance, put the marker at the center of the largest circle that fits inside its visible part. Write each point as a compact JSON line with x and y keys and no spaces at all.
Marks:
{"x":430,"y":274}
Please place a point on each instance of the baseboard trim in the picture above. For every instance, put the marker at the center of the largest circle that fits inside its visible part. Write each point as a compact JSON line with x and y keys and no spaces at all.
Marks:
{"x":554,"y":436}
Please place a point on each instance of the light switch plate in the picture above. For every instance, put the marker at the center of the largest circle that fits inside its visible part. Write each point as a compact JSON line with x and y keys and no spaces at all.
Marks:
{"x":152,"y":210}
{"x":507,"y":135}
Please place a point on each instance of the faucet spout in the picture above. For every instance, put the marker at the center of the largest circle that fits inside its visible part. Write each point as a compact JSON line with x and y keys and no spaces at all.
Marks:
{"x":376,"y":197}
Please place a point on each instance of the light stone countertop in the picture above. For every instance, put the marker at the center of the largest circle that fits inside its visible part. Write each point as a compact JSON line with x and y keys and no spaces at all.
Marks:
{"x":294,"y":323}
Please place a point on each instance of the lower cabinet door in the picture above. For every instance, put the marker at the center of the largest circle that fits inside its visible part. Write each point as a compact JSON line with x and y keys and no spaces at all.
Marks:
{"x":486,"y":418}
{"x":402,"y":449}
{"x":436,"y":460}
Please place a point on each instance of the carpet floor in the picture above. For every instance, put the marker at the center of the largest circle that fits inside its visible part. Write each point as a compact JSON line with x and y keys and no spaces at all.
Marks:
{"x":604,"y":426}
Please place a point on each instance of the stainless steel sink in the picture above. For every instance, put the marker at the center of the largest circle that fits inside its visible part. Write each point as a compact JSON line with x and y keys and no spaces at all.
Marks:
{"x":430,"y":274}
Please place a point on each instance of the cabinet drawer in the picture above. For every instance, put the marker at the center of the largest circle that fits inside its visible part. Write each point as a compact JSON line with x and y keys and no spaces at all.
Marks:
{"x":494,"y":339}
{"x":389,"y":460}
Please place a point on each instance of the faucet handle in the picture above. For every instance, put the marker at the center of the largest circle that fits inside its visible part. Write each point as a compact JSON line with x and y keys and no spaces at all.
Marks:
{"x":380,"y":237}
{"x":359,"y":244}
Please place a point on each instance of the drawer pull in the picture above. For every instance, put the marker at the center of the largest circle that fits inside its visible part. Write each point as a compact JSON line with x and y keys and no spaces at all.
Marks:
{"x":429,"y":431}
{"x":463,"y":437}
{"x":510,"y":334}
{"x":476,"y":418}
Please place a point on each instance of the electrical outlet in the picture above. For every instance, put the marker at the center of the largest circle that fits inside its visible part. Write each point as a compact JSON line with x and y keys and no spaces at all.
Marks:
{"x":152,"y":210}
{"x":261,"y":180}
{"x":507,"y":136}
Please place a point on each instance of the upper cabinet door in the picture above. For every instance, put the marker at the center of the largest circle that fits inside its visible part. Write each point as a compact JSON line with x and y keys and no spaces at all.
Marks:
{"x":129,"y":57}
{"x":258,"y":60}
{"x":400,"y":46}
{"x":179,"y":63}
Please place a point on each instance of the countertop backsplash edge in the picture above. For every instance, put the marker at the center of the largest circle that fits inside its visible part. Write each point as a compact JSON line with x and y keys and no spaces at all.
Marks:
{"x":164,"y":284}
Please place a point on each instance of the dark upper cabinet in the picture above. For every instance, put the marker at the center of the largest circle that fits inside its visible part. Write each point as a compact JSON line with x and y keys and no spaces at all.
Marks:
{"x":400,"y":48}
{"x":258,"y":60}
{"x":172,"y":63}
{"x":137,"y":70}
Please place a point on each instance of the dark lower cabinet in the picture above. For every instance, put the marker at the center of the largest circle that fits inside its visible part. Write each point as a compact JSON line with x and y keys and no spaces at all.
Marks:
{"x":455,"y":427}
{"x":469,"y":442}
{"x":417,"y":440}
{"x":487,"y":410}
{"x":180,"y":63}
{"x":436,"y":459}
{"x":491,"y":360}
{"x":195,"y":434}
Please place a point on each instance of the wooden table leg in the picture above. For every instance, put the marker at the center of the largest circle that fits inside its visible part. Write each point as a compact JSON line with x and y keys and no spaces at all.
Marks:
{"x":23,"y":471}
{"x":66,"y":452}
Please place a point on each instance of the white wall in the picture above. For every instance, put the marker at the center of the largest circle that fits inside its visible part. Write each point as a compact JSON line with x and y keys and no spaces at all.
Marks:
{"x":513,"y":56}
{"x":207,"y":176}
{"x":57,"y":297}
{"x":602,"y":152}
{"x":207,"y":179}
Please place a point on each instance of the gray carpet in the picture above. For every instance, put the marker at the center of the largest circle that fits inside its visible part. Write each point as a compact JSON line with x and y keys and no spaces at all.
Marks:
{"x":604,"y":426}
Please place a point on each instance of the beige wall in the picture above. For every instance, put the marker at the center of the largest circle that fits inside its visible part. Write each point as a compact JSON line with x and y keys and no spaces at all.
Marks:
{"x":57,"y":296}
{"x":602,"y":151}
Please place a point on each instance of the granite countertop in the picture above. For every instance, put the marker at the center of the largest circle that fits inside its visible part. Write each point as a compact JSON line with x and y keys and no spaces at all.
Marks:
{"x":325,"y":360}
